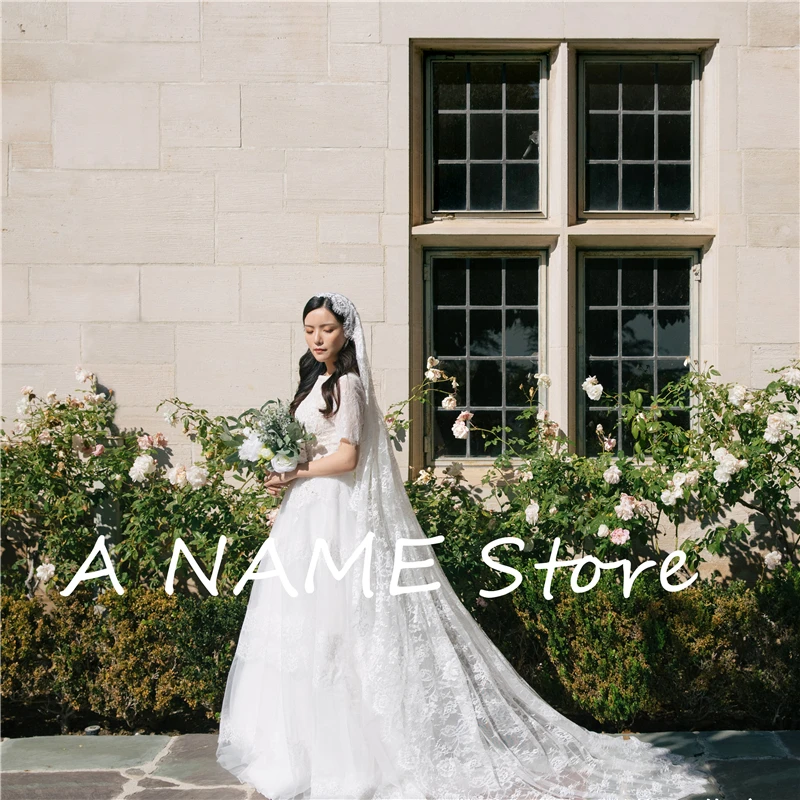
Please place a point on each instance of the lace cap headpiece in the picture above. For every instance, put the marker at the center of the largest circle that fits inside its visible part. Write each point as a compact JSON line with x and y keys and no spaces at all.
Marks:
{"x":344,"y":307}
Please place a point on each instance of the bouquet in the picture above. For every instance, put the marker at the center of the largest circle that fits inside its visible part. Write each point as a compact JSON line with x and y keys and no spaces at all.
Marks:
{"x":268,"y":438}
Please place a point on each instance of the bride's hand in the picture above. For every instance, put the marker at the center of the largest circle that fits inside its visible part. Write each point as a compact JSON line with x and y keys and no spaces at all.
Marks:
{"x":276,"y":481}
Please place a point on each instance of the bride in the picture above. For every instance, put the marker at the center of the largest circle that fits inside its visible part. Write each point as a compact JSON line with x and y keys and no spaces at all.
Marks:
{"x":342,"y":693}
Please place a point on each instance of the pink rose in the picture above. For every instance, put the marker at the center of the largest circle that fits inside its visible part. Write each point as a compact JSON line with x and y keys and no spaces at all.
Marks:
{"x":99,"y":449}
{"x":145,"y":441}
{"x":159,"y":440}
{"x":619,"y":535}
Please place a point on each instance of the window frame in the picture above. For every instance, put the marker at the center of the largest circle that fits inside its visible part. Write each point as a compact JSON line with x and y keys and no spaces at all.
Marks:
{"x":428,"y":254}
{"x":694,"y":254}
{"x":693,"y":213}
{"x":499,"y":55}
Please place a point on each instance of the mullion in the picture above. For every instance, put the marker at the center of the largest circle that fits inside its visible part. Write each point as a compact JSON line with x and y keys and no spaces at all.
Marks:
{"x":503,"y":77}
{"x":619,"y":145}
{"x":467,"y":169}
{"x":467,"y":369}
{"x":655,"y":164}
{"x":503,"y":345}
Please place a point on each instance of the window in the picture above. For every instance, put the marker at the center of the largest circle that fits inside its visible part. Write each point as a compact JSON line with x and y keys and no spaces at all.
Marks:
{"x":637,"y":141}
{"x":484,"y":327}
{"x":483,"y":133}
{"x":635,"y":332}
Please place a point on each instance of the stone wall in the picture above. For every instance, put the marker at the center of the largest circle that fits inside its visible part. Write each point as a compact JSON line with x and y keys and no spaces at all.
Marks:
{"x":179,"y":177}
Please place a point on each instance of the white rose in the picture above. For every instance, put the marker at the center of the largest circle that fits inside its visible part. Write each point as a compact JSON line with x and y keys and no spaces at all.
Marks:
{"x":460,"y":429}
{"x":613,"y":474}
{"x":177,"y":475}
{"x":593,"y":388}
{"x":449,"y":402}
{"x":678,"y":479}
{"x":772,"y":559}
{"x":543,"y":379}
{"x":692,"y":477}
{"x":433,"y":374}
{"x":532,"y":512}
{"x":250,"y":448}
{"x":602,"y":530}
{"x":197,"y":476}
{"x":46,"y":571}
{"x":143,"y":466}
{"x":737,"y":394}
{"x":791,"y":376}
{"x":281,"y":463}
{"x":431,"y":362}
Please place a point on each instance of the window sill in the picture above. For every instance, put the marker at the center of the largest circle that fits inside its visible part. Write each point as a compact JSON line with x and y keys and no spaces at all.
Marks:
{"x":484,"y":231}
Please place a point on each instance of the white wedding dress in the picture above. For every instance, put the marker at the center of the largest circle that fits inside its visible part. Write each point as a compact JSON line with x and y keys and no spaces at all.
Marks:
{"x":332,"y":694}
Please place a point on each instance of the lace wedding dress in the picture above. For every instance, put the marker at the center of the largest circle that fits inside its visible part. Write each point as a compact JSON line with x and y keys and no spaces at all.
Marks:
{"x":334,"y":694}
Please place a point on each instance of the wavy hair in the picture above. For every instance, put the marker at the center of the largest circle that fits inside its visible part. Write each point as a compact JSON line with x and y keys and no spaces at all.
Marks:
{"x":311,"y":369}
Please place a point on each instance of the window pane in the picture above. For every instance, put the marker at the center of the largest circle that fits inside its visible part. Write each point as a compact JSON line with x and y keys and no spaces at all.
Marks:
{"x":483,"y":373}
{"x":602,"y":189}
{"x":607,"y":372}
{"x":522,"y":85}
{"x":449,"y":332}
{"x":455,"y":368}
{"x":601,"y":281}
{"x":444,"y":443}
{"x":486,"y":85}
{"x":638,"y":186}
{"x":673,"y":333}
{"x":673,"y":281}
{"x":488,"y":420}
{"x":602,"y":85}
{"x":522,"y":136}
{"x":677,"y":417}
{"x":637,"y":375}
{"x":486,"y":136}
{"x":450,"y":281}
{"x":485,"y":282}
{"x":522,"y":187}
{"x":486,"y":186}
{"x":451,"y":187}
{"x":602,"y":335}
{"x":449,"y":85}
{"x":637,"y":282}
{"x":649,"y":131}
{"x":670,"y":371}
{"x":654,"y":338}
{"x":638,"y":86}
{"x":595,"y":417}
{"x":522,"y":332}
{"x":522,"y":281}
{"x":480,"y":115}
{"x":674,"y":86}
{"x":520,"y":428}
{"x":637,"y":333}
{"x":674,"y":187}
{"x":485,"y":333}
{"x":520,"y":373}
{"x":602,"y":136}
{"x":674,"y":137}
{"x":486,"y":383}
{"x":637,"y":137}
{"x":452,"y":136}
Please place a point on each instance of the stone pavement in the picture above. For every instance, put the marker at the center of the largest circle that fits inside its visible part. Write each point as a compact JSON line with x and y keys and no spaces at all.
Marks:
{"x":742,"y":765}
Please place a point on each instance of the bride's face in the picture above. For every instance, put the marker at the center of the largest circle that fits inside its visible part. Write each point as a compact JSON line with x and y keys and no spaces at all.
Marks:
{"x":324,"y":335}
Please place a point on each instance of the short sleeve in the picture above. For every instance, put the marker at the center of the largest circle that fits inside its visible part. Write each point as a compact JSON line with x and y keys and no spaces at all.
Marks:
{"x":349,"y":417}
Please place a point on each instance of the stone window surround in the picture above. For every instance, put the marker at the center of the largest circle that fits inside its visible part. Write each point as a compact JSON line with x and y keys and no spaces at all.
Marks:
{"x":563,"y":233}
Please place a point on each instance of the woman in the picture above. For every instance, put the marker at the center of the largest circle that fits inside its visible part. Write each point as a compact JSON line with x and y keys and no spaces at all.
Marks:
{"x":341,"y":690}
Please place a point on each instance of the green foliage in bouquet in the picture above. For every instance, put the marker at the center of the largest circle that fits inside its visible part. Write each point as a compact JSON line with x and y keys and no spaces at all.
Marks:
{"x":259,"y":440}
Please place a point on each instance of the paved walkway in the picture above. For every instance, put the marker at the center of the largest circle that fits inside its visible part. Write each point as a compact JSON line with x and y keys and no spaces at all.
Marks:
{"x":742,"y":765}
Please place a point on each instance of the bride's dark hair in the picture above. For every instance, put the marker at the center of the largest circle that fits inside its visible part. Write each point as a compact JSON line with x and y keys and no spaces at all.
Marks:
{"x":311,"y":369}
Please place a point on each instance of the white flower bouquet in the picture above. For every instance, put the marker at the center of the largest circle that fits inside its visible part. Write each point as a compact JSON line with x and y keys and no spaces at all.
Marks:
{"x":266,"y":439}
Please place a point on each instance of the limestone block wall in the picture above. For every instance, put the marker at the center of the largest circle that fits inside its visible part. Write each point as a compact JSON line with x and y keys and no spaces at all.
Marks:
{"x":179,"y":177}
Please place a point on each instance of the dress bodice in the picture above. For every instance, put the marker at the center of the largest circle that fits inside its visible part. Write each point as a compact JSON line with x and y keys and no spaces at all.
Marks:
{"x":345,"y":423}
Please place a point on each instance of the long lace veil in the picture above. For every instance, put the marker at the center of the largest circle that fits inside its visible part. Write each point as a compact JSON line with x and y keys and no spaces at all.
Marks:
{"x":445,"y":704}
